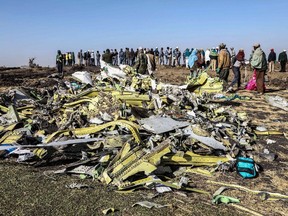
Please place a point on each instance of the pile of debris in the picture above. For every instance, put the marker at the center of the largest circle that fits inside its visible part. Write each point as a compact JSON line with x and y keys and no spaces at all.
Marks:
{"x":127,"y":130}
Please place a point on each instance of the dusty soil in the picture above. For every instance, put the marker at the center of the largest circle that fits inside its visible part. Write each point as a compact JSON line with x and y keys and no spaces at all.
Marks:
{"x":27,"y":190}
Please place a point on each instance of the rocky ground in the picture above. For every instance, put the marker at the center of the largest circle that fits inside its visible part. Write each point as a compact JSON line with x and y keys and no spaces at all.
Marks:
{"x":27,"y":190}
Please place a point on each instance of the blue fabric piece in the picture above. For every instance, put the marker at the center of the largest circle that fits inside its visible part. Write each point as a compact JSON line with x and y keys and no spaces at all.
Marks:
{"x":192,"y":58}
{"x":246,"y":167}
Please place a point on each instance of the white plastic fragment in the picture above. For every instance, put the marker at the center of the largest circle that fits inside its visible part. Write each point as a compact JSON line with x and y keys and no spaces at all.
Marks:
{"x":149,"y":205}
{"x":269,"y":141}
{"x":83,"y":77}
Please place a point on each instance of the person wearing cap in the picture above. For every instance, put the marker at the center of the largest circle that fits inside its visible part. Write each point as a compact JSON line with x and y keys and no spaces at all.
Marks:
{"x":224,"y":62}
{"x":271,"y":60}
{"x":141,"y":62}
{"x":259,"y":64}
{"x":282,"y":58}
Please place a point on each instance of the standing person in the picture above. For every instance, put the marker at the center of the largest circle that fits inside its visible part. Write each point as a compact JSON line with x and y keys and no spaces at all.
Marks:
{"x":67,"y":58}
{"x":89,"y":57}
{"x":186,"y":53}
{"x":213,"y":57}
{"x":80,"y":58}
{"x":207,"y":57}
{"x":201,"y":58}
{"x":271,"y":60}
{"x":179,"y":57}
{"x":259,"y":64}
{"x":239,"y":61}
{"x":127,"y":56}
{"x":151,"y":63}
{"x":108,"y":57}
{"x":70,"y":58}
{"x":170,"y":56}
{"x":73,"y":58}
{"x":85,"y":59}
{"x":192,"y":63}
{"x":116,"y":57}
{"x":59,"y":62}
{"x":64,"y":59}
{"x":156,"y":54}
{"x":92,"y":56}
{"x":132,"y":57}
{"x":175,"y":57}
{"x":233,"y":54}
{"x":98,"y":56}
{"x":141,"y":62}
{"x":161,"y":56}
{"x":282,"y":58}
{"x":167,"y":55}
{"x":121,"y":56}
{"x":223,"y":64}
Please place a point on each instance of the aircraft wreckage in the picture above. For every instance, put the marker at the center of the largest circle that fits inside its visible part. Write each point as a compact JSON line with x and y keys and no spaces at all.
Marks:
{"x":128,"y":130}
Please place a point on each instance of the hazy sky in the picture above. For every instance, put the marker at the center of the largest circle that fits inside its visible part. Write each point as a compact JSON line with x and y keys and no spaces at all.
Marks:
{"x":38,"y":28}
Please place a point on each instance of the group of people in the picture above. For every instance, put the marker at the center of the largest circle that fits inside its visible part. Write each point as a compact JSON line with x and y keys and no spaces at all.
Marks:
{"x":218,"y":59}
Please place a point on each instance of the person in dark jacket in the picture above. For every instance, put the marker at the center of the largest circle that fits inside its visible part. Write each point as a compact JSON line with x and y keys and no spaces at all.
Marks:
{"x":282,"y":58}
{"x":271,"y":60}
{"x":121,"y":56}
{"x":238,"y":62}
{"x":132,"y":57}
{"x":141,"y":62}
{"x":59,"y":62}
{"x":108,"y":56}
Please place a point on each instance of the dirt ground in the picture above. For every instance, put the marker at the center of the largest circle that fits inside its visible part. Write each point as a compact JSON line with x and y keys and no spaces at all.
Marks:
{"x":27,"y":190}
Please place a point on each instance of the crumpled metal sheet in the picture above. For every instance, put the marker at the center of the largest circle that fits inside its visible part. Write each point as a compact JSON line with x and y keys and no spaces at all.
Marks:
{"x":209,"y":141}
{"x":277,"y":101}
{"x":159,"y":125}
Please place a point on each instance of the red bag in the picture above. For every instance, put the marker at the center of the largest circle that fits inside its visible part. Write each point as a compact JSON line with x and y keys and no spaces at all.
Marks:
{"x":251,"y":85}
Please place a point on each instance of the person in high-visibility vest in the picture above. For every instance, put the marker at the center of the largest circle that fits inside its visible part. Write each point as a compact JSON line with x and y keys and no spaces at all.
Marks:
{"x":67,"y":58}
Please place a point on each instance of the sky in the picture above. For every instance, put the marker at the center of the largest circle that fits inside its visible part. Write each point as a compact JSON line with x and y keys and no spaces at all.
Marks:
{"x":38,"y":28}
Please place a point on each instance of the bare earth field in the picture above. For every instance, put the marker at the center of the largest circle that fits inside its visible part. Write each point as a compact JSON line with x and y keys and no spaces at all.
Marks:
{"x":28,"y":190}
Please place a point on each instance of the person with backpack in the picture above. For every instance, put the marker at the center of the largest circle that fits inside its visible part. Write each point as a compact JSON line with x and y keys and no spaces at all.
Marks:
{"x":259,"y":64}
